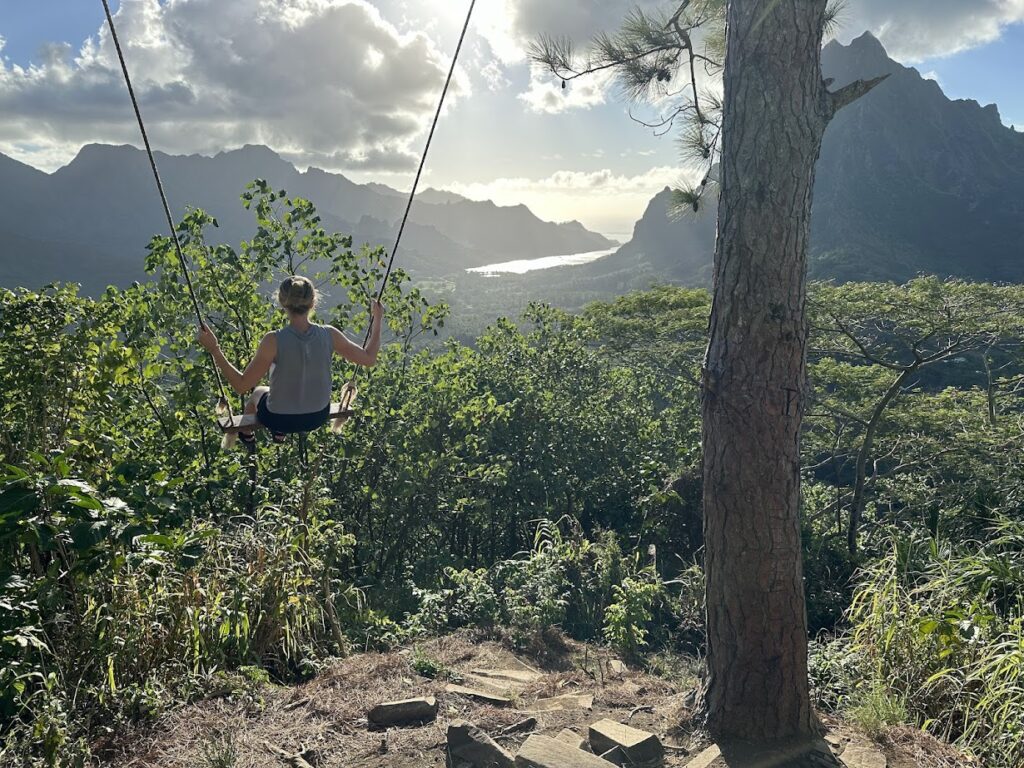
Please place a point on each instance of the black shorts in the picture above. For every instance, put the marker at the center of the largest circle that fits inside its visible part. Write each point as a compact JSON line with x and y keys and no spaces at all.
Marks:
{"x":290,"y":423}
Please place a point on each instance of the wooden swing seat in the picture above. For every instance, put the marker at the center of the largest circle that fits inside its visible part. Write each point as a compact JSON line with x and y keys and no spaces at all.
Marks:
{"x":340,"y":414}
{"x":249,"y":421}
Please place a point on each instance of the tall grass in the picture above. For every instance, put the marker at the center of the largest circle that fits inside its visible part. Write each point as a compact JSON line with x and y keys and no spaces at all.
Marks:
{"x":940,"y":629}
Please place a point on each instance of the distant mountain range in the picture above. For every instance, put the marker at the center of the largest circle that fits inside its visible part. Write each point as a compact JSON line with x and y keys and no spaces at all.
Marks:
{"x":90,"y":221}
{"x":909,"y":182}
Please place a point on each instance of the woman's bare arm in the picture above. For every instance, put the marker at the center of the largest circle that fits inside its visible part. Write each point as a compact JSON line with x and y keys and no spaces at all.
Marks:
{"x":241,"y":381}
{"x":351,"y":351}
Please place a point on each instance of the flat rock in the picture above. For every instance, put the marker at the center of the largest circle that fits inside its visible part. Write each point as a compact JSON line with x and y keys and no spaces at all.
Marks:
{"x":490,"y":684}
{"x":508,"y":675}
{"x":520,"y":664}
{"x":487,"y":697}
{"x":862,"y":754}
{"x":405,"y":711}
{"x":706,"y":758}
{"x":638,"y":747}
{"x":545,"y":752}
{"x":616,"y":667}
{"x":564,"y":703}
{"x":571,"y":738}
{"x":468,"y":743}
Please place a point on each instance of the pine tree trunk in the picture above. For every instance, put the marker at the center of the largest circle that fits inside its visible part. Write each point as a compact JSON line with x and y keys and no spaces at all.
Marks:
{"x":776,"y":111}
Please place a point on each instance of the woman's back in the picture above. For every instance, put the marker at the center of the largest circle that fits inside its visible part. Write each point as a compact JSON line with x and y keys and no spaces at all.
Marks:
{"x":300,"y":381}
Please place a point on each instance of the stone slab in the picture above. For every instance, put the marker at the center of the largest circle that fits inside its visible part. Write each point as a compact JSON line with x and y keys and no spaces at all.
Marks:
{"x":508,"y":675}
{"x":564,"y":703}
{"x":469,"y":743}
{"x":489,"y":684}
{"x":571,"y":738}
{"x":616,"y":667}
{"x":860,"y":754}
{"x":545,"y":752}
{"x":706,"y":758}
{"x":520,"y":664}
{"x":638,"y":747}
{"x":405,"y":711}
{"x":487,"y":697}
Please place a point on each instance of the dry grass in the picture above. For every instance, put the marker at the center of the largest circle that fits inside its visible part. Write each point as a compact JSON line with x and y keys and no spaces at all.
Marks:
{"x":327,"y":716}
{"x":910,"y":747}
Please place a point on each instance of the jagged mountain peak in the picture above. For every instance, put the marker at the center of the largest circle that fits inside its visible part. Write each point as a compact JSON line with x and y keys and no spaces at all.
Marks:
{"x":869,"y":45}
{"x":908,"y":182}
{"x":863,"y":57}
{"x":866,"y":46}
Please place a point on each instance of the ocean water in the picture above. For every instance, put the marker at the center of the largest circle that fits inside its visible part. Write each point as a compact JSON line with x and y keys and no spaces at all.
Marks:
{"x":523,"y":266}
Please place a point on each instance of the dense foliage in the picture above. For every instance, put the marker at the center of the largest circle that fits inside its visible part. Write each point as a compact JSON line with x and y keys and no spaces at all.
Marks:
{"x":546,"y":474}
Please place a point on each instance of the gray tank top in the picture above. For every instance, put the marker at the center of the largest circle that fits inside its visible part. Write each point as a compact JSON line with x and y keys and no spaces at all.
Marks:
{"x":300,"y":381}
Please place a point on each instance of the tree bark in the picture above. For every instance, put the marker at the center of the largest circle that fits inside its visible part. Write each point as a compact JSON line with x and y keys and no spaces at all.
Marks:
{"x":775,"y":113}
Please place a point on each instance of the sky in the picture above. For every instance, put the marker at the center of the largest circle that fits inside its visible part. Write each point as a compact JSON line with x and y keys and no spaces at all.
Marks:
{"x":351,"y":85}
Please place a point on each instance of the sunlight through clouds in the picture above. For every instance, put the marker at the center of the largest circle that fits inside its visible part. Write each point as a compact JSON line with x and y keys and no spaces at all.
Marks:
{"x":323,"y":81}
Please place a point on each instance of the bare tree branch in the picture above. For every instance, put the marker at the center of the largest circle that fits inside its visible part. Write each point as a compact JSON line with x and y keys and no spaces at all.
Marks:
{"x":850,"y":93}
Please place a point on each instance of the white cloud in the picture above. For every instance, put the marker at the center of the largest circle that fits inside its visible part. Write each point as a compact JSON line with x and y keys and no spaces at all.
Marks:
{"x":614,"y":202}
{"x":546,"y":95}
{"x":510,"y":26}
{"x":914,"y":30}
{"x":493,"y":74}
{"x":325,"y":80}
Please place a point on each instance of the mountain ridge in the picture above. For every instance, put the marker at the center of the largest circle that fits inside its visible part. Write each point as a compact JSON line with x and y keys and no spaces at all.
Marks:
{"x":909,"y":181}
{"x":103,"y":202}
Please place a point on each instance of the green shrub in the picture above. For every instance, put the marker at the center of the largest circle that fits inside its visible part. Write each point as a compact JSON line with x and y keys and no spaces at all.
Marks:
{"x":627,"y":618}
{"x":465,"y":598}
{"x":835,"y":669}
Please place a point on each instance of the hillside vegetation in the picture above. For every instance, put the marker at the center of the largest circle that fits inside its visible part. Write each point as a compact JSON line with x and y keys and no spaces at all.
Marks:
{"x":545,"y":476}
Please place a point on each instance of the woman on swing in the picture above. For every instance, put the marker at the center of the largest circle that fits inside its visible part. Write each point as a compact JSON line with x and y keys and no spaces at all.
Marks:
{"x":298,"y":358}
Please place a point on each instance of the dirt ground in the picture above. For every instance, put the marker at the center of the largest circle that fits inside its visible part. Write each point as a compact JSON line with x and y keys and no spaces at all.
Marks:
{"x":326,"y":721}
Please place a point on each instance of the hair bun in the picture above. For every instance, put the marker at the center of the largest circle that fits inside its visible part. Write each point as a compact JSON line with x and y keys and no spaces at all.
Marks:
{"x":297,"y":294}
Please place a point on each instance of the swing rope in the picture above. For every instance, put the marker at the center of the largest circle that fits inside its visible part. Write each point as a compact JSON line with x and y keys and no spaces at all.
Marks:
{"x":225,"y":401}
{"x":423,"y":162}
{"x":167,"y":208}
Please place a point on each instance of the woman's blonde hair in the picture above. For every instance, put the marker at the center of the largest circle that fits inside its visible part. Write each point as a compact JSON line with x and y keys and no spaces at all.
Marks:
{"x":297,"y":294}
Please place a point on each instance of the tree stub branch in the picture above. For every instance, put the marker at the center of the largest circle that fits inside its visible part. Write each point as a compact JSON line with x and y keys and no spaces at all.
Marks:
{"x":850,"y":93}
